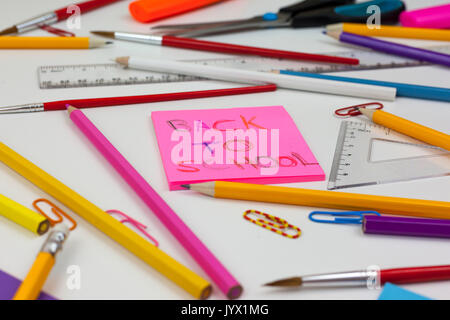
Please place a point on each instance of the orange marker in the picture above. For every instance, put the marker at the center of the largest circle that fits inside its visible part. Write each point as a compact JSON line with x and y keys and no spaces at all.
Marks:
{"x":151,"y":10}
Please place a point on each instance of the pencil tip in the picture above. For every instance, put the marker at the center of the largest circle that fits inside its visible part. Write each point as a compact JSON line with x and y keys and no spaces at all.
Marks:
{"x":186,"y":186}
{"x":289,"y":282}
{"x":70,"y":108}
{"x":123,"y":61}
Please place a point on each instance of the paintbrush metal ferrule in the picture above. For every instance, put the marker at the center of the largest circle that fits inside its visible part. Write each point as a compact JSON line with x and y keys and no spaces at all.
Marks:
{"x":134,"y":37}
{"x":342,"y":279}
{"x":24,"y":108}
{"x":33,"y":23}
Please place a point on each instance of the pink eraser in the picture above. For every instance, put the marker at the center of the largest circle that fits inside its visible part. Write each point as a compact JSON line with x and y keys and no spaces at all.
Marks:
{"x":433,"y":17}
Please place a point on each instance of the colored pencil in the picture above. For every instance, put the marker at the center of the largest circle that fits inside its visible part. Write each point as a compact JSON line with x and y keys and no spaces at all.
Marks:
{"x":118,"y":101}
{"x":363,"y":278}
{"x":23,"y":216}
{"x":143,"y":249}
{"x":194,"y":44}
{"x":38,"y":274}
{"x":55,"y":16}
{"x":255,"y":77}
{"x":403,"y":89}
{"x":224,"y":280}
{"x":391,"y":31}
{"x":324,"y":199}
{"x":392,"y":48}
{"x":50,"y":43}
{"x":409,"y":128}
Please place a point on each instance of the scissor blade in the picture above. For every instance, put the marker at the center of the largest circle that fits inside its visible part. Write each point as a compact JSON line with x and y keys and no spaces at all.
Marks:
{"x":223,"y":29}
{"x":207,"y":24}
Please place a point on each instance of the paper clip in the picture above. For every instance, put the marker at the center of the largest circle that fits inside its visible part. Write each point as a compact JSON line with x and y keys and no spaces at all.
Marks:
{"x":141,"y":227}
{"x":349,"y":217}
{"x":353,"y":111}
{"x":56,"y":211}
{"x":276,"y":225}
{"x":56,"y":31}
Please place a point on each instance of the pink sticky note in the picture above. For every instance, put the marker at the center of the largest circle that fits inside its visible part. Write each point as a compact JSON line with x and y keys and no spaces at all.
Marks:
{"x":254,"y":145}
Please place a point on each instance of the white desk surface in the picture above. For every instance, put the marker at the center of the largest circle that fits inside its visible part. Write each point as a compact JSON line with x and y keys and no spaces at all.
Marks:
{"x":253,"y":255}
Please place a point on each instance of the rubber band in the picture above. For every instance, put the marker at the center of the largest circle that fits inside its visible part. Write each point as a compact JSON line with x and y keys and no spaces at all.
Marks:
{"x":273,"y":223}
{"x":141,"y":227}
{"x":56,"y":211}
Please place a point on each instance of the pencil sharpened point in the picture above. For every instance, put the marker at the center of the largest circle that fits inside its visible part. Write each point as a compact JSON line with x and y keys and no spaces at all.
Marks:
{"x":290,"y":282}
{"x":123,"y":61}
{"x":186,"y":186}
{"x":107,"y":34}
{"x":70,"y":108}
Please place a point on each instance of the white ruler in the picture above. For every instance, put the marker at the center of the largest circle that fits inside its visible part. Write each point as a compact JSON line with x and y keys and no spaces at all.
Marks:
{"x":72,"y":76}
{"x":368,"y":154}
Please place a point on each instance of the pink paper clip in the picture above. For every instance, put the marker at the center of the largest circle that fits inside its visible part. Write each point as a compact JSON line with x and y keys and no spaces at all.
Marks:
{"x":58,"y":32}
{"x":353,"y":111}
{"x":142,"y":228}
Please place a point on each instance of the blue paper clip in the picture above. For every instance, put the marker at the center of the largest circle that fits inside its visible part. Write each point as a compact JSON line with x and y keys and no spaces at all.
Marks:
{"x":351,"y":217}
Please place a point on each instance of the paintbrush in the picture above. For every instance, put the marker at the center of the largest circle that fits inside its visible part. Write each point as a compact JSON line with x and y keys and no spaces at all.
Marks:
{"x":367,"y":278}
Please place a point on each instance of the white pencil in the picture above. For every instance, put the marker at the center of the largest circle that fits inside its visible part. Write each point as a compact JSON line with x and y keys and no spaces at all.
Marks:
{"x":255,"y":77}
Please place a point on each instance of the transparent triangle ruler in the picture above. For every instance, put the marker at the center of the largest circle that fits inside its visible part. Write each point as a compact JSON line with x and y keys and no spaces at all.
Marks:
{"x":368,"y":154}
{"x":94,"y":75}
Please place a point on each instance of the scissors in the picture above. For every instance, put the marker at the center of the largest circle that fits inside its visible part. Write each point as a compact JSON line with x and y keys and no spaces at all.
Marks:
{"x":308,"y":13}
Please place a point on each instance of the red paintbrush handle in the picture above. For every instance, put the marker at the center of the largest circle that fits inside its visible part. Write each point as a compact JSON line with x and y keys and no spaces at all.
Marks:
{"x":84,"y":7}
{"x":116,"y":101}
{"x":188,"y":43}
{"x":417,"y":274}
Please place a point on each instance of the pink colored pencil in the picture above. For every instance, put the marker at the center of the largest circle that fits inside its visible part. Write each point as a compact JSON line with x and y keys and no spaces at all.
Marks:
{"x":224,"y":280}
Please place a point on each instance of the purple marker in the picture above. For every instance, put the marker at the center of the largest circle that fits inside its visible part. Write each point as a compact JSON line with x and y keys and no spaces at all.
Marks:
{"x":9,"y":286}
{"x":400,"y":226}
{"x":373,"y":223}
{"x":392,"y":48}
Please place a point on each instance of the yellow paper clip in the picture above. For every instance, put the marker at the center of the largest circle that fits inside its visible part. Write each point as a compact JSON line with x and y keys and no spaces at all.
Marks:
{"x":273,"y":224}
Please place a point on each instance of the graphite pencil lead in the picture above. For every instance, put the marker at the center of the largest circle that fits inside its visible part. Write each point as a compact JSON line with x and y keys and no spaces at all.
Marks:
{"x":186,"y":186}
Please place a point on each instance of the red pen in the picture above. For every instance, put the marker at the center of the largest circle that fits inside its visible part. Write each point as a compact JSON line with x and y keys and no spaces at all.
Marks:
{"x":368,"y":277}
{"x":188,"y":43}
{"x":55,"y":16}
{"x":116,"y":101}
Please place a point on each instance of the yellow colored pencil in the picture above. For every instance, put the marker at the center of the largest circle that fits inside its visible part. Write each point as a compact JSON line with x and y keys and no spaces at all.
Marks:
{"x":409,"y":128}
{"x":142,"y":248}
{"x":23,"y":216}
{"x":392,"y":31}
{"x":42,"y":266}
{"x":50,"y":43}
{"x":324,"y":199}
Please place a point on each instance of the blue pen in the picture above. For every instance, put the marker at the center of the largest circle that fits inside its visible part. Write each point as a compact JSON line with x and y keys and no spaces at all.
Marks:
{"x":403,"y":89}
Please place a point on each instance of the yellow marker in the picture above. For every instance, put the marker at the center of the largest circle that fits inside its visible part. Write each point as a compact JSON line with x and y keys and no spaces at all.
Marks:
{"x":409,"y":128}
{"x":324,"y":199}
{"x":38,"y":274}
{"x":23,"y":216}
{"x":392,"y":31}
{"x":172,"y":269}
{"x":50,"y":43}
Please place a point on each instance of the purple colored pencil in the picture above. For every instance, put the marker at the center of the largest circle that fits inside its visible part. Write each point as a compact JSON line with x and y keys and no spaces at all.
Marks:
{"x":392,"y":48}
{"x":420,"y":227}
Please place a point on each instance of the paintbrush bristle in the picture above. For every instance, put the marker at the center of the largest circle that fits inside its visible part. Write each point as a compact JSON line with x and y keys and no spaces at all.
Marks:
{"x":289,"y":282}
{"x":108,"y":34}
{"x":8,"y":31}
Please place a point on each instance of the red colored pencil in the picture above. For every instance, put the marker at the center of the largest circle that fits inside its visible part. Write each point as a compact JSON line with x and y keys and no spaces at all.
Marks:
{"x":116,"y":101}
{"x":187,"y":43}
{"x":56,"y":16}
